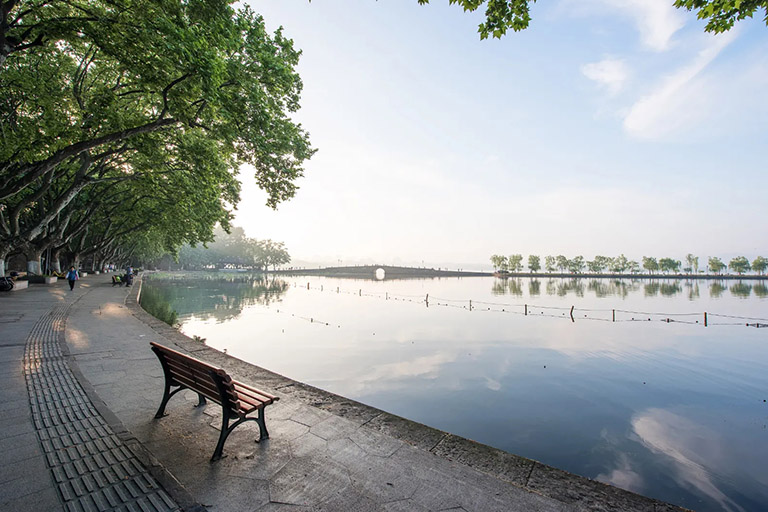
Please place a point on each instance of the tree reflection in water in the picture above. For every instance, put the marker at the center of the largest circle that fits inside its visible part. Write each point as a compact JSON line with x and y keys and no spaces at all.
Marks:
{"x":740,"y":289}
{"x":216,"y":295}
{"x":716,"y":289}
{"x":622,"y":288}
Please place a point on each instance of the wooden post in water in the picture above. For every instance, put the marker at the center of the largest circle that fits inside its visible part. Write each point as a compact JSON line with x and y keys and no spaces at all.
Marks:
{"x":613,"y":311}
{"x":427,"y":300}
{"x":705,"y":319}
{"x":572,"y":319}
{"x":360,"y":292}
{"x":470,"y":304}
{"x":307,"y":286}
{"x":526,"y":310}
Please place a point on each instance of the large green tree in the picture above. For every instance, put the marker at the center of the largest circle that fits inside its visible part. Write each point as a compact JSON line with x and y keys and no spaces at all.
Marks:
{"x":503,"y":15}
{"x":534,"y":263}
{"x":739,"y":264}
{"x":715,"y":265}
{"x":759,"y":264}
{"x":515,"y":262}
{"x":650,"y":264}
{"x":129,"y":90}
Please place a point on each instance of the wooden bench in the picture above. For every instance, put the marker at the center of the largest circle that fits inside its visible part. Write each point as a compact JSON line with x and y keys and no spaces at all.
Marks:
{"x":237,"y":400}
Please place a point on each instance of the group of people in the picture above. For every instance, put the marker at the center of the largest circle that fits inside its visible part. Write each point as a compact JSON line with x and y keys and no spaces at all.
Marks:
{"x":73,"y":276}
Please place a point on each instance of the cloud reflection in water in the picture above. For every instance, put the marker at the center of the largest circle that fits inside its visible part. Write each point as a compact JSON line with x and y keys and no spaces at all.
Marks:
{"x":688,"y":445}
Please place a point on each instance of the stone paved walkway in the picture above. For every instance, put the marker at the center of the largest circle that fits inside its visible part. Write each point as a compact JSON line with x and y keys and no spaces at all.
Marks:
{"x":91,"y":467}
{"x":78,"y":431}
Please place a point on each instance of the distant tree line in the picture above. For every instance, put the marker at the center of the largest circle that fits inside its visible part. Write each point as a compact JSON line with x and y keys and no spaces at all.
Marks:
{"x":622,"y":265}
{"x":230,"y":250}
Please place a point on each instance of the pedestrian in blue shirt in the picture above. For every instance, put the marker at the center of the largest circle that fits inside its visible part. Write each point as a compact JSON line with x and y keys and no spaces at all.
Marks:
{"x":72,"y":276}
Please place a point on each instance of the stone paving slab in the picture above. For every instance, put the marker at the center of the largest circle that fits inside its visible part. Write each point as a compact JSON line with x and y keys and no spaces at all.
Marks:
{"x":91,"y":407}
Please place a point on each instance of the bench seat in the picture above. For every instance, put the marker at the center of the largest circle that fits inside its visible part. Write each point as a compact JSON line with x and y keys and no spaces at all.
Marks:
{"x":238,"y":400}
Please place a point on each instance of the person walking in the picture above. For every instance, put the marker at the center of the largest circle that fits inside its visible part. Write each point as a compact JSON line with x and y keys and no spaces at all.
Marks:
{"x":72,"y":276}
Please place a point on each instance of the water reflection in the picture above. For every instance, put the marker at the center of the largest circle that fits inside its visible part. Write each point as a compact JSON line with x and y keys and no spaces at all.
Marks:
{"x":220,"y":296}
{"x":670,"y":289}
{"x":651,"y":289}
{"x":622,"y":288}
{"x":671,"y":410}
{"x":740,"y":289}
{"x":688,"y":447}
{"x":612,"y":288}
{"x":716,"y":290}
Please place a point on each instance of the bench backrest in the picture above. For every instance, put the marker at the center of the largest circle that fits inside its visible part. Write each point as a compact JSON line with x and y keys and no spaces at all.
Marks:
{"x":199,"y":376}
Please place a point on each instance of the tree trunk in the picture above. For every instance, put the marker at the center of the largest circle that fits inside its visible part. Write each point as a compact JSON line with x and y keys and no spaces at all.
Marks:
{"x":55,"y":263}
{"x":33,"y":261}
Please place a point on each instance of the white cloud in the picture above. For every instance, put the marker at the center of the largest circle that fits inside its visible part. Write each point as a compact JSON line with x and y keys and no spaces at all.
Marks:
{"x":608,"y":73}
{"x":677,"y":101}
{"x":656,"y":20}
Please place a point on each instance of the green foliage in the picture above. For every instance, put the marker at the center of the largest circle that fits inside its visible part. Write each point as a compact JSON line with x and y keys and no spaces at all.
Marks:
{"x":619,"y":264}
{"x":550,"y":263}
{"x":760,"y":264}
{"x":500,"y":15}
{"x":715,"y":265}
{"x":234,"y":249}
{"x":692,"y":263}
{"x":739,"y":264}
{"x":534,"y":263}
{"x":598,"y":264}
{"x":499,"y":263}
{"x":722,"y":14}
{"x":650,"y":264}
{"x":515,"y":262}
{"x":561,"y":262}
{"x":669,"y":265}
{"x":576,"y":265}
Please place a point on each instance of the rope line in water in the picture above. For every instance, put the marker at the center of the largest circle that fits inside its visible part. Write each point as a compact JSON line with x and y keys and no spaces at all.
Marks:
{"x":530,"y":309}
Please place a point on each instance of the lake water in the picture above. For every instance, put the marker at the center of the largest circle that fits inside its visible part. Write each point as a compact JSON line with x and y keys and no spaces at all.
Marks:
{"x":629,"y":387}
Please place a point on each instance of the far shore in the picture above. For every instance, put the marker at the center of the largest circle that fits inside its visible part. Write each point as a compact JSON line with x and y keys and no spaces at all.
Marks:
{"x":393,"y":272}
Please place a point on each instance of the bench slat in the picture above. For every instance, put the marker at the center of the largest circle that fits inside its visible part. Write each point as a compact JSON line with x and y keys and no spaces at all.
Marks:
{"x":204,"y":379}
{"x":255,"y":390}
{"x":253,"y":398}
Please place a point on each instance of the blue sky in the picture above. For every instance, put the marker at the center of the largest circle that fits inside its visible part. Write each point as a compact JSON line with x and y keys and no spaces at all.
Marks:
{"x":607,"y":127}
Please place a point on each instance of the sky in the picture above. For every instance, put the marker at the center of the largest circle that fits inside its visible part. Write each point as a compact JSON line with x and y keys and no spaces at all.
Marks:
{"x":606,"y":127}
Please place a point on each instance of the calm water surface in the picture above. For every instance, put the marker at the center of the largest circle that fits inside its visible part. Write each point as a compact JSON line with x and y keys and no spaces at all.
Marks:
{"x":670,"y":409}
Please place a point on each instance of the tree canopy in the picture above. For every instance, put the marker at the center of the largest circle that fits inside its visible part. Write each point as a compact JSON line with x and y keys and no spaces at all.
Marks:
{"x":149,"y":103}
{"x":503,"y":15}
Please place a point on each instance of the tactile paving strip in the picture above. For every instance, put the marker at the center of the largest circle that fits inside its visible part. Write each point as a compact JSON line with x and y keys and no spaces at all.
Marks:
{"x":92,"y":468}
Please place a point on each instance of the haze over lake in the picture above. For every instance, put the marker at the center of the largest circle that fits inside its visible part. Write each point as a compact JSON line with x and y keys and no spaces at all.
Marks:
{"x":628,"y":387}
